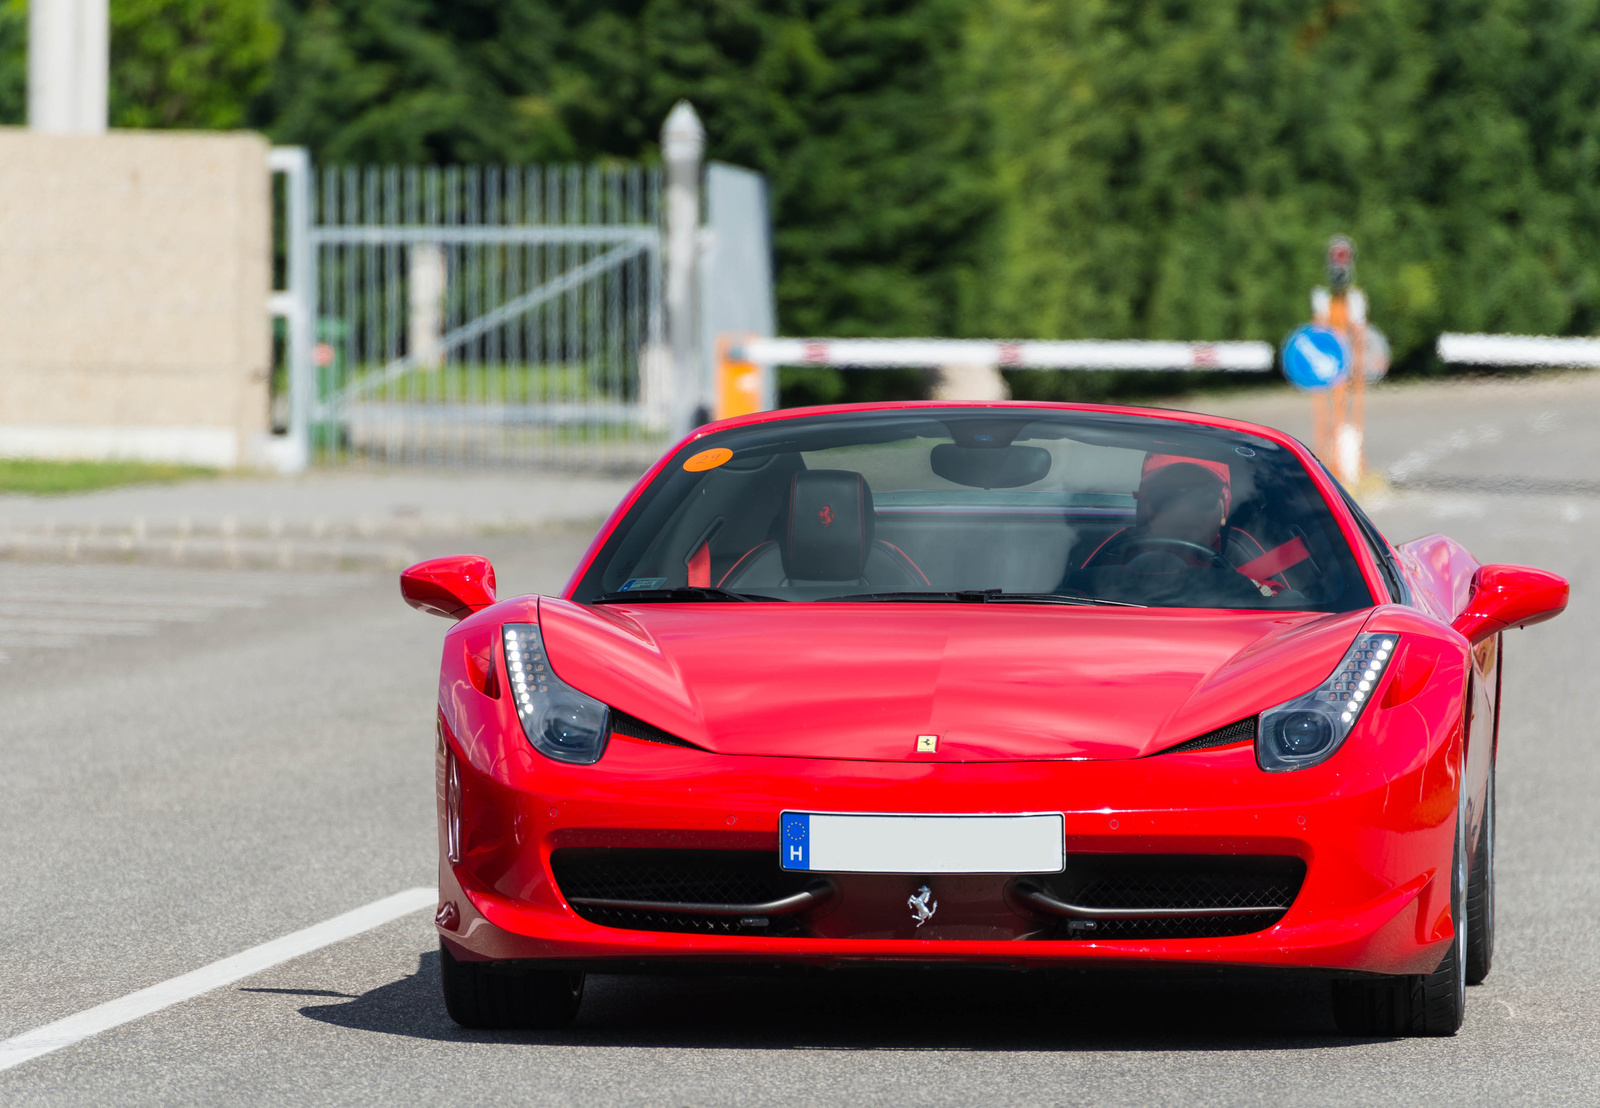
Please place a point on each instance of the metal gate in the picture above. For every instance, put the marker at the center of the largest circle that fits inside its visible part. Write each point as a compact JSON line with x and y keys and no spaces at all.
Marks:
{"x":476,"y":315}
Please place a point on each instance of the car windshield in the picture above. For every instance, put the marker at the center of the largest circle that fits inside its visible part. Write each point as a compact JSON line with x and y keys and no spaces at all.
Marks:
{"x":981,"y":505}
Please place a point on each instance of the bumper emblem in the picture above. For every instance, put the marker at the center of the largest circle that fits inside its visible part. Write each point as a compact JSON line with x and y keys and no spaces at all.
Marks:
{"x":922,"y":905}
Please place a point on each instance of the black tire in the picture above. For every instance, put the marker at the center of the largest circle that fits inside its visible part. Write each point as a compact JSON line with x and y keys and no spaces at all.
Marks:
{"x":508,"y":996}
{"x":1423,"y":1004}
{"x":1480,"y":896}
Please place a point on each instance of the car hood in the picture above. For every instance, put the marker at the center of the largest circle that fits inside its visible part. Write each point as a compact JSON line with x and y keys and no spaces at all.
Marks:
{"x":993,"y":682}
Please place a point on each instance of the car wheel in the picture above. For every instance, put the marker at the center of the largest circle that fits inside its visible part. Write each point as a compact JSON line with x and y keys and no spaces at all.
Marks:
{"x":1422,"y":1004}
{"x":508,"y":996}
{"x":1480,"y":896}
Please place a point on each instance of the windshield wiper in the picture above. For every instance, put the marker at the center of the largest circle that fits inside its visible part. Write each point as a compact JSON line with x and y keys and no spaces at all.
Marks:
{"x":686,"y":592}
{"x":985,"y":596}
{"x":998,"y":597}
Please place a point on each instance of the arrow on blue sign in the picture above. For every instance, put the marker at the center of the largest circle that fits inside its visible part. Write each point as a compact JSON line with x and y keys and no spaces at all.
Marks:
{"x":1315,"y":358}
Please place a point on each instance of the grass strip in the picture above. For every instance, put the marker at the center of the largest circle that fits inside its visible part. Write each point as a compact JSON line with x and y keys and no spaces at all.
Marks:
{"x":41,"y":477}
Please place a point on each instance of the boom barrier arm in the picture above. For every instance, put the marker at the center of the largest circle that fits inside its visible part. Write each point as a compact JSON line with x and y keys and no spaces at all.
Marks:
{"x":1527,"y":350}
{"x":743,"y":360}
{"x":1228,"y":357}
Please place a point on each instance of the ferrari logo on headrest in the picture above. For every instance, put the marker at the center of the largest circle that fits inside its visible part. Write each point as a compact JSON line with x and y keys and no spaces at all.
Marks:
{"x":826,"y":515}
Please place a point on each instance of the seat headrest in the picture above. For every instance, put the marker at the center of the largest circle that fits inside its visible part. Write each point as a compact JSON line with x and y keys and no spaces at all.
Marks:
{"x":829,"y":528}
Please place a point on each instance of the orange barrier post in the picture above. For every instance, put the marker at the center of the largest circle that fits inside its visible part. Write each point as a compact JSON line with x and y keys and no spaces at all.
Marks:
{"x":738,"y":381}
{"x":1338,"y":418}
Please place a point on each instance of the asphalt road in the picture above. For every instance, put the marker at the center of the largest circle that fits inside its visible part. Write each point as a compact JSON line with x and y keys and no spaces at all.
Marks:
{"x":240,"y":756}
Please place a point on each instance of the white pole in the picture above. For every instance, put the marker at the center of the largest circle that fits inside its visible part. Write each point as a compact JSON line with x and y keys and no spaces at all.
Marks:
{"x":425,"y":317}
{"x":683,"y":142}
{"x":69,"y":57}
{"x":296,"y":303}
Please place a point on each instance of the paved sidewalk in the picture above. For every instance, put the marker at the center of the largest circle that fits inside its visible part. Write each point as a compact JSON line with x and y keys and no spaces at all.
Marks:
{"x":325,"y":519}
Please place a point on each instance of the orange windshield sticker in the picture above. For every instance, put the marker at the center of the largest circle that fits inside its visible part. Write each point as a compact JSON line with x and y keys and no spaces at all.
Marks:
{"x":708,"y":459}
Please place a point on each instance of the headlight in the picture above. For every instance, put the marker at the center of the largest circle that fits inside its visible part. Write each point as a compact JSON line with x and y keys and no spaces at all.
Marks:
{"x":1309,"y":728}
{"x":561,"y":722}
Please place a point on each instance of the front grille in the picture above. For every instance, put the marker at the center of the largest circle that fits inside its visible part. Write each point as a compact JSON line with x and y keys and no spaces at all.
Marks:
{"x":677,"y":876}
{"x":635,"y":728}
{"x":1166,"y":882}
{"x":635,"y":919}
{"x":1198,"y":927}
{"x":1243,"y":730}
{"x":731,"y":879}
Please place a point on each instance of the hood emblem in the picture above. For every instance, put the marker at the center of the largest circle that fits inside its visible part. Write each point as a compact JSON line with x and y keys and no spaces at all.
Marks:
{"x":922,"y":905}
{"x":927,"y":744}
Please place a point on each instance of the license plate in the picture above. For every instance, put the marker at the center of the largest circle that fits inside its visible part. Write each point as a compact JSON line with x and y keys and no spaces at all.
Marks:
{"x":833,"y":842}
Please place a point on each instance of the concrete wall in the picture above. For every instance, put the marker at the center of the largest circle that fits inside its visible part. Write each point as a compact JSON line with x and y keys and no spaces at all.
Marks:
{"x":135,"y":269}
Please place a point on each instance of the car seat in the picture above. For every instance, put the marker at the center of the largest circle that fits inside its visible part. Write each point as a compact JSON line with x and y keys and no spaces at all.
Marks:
{"x":824,"y":537}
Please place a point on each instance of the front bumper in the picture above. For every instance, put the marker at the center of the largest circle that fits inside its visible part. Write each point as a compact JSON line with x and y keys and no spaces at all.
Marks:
{"x":1374,"y":827}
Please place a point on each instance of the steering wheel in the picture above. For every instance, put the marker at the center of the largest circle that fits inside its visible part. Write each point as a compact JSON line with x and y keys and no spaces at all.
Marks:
{"x":1214,"y":557}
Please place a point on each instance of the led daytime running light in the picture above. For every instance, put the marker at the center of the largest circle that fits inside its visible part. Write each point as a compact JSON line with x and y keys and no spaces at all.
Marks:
{"x":1359,"y":675}
{"x":526,"y":665}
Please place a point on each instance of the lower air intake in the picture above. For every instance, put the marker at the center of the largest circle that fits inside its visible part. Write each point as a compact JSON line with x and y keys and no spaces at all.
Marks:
{"x":726,"y":892}
{"x":1119,"y":896}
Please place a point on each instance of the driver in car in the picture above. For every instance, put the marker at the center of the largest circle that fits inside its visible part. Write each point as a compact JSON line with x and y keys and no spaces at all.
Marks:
{"x":1184,"y":499}
{"x":1180,"y":525}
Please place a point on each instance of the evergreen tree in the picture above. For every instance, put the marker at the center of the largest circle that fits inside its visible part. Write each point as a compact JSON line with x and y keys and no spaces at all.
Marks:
{"x":189,"y":63}
{"x":1172,"y":170}
{"x":174,"y":63}
{"x":13,"y":61}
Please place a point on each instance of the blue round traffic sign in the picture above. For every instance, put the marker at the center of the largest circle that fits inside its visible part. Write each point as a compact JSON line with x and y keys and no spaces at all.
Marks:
{"x":1315,"y":358}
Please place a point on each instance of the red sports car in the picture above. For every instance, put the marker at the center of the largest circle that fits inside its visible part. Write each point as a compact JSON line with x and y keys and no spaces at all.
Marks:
{"x":1036,"y":685}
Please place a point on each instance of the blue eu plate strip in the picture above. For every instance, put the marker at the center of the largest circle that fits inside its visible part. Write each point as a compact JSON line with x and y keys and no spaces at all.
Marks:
{"x":794,"y":840}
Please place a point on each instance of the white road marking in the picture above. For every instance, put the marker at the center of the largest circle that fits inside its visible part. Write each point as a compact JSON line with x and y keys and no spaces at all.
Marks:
{"x":115,"y":1013}
{"x":48,"y":607}
{"x":12,"y":592}
{"x":68,"y":626}
{"x":1454,"y":443}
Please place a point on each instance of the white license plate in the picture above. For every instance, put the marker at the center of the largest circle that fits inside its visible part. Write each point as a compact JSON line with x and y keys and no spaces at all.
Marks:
{"x":834,"y":842}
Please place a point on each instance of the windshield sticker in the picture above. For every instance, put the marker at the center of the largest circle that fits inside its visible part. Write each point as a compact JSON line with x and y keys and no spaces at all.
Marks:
{"x":708,"y":459}
{"x":633,"y":584}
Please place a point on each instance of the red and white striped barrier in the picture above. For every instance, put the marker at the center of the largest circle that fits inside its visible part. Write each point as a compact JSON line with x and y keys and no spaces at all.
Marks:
{"x":1233,"y":357}
{"x":1518,"y":350}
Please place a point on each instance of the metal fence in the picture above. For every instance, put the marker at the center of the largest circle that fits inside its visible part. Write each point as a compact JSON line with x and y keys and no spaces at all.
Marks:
{"x":484,"y":316}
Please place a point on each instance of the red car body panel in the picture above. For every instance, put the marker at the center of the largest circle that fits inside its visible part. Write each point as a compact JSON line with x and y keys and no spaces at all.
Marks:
{"x":737,"y":681}
{"x":814,"y":707}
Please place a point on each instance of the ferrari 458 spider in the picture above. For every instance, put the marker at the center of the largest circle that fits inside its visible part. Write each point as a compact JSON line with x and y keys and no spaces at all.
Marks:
{"x":1020,"y":684}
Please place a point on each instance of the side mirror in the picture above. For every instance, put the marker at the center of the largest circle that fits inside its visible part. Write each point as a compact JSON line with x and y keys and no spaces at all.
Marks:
{"x":1504,"y":597}
{"x":450,"y":587}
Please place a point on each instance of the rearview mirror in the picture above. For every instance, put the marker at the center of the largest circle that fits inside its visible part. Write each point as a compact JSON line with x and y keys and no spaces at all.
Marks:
{"x":990,"y":467}
{"x":1504,"y":597}
{"x":450,"y":587}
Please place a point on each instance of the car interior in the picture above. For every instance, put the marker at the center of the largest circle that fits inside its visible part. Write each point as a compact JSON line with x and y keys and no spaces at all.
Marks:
{"x":1204,"y":521}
